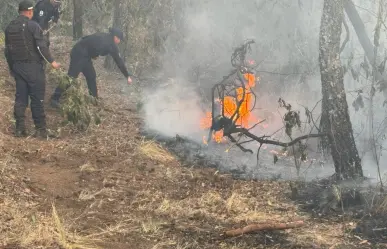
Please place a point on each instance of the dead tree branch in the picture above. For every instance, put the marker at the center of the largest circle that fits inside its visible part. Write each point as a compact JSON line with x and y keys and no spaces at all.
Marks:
{"x":232,"y":139}
{"x":273,"y":142}
{"x":263,"y":227}
{"x":365,"y":42}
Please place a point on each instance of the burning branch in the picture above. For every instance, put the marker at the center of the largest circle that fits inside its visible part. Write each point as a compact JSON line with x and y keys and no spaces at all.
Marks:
{"x":263,"y":227}
{"x":230,"y":102}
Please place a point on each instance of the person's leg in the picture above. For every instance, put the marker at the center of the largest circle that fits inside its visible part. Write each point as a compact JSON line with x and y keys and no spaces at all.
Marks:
{"x":36,"y":90}
{"x":21,"y":102}
{"x":91,"y":78}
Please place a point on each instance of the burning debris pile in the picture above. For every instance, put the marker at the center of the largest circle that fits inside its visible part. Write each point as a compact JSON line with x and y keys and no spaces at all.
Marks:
{"x":233,"y":102}
{"x":231,"y":122}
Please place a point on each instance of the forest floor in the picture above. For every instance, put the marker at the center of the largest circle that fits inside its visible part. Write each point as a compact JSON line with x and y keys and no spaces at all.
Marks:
{"x":110,"y":188}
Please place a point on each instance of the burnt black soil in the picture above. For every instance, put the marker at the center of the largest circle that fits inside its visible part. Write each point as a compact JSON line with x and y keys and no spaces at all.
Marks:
{"x":193,"y":154}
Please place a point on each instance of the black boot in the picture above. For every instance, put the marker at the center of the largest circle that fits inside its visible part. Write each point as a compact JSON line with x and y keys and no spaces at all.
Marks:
{"x":55,"y":103}
{"x":21,"y":133}
{"x":20,"y":130}
{"x":43,"y":133}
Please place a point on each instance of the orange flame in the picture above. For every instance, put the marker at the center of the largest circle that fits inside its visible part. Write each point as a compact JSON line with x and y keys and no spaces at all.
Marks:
{"x":245,"y":119}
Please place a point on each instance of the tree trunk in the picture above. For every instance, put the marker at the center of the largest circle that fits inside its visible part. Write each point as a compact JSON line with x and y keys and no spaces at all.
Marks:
{"x":77,"y":20}
{"x":365,"y":41}
{"x":335,"y":118}
{"x":120,"y":12}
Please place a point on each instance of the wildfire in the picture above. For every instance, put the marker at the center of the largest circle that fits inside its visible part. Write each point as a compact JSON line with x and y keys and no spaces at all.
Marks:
{"x":245,"y":119}
{"x":205,"y":123}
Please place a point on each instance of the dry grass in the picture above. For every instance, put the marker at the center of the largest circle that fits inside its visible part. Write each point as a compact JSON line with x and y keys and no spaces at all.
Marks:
{"x":154,"y":151}
{"x":87,"y":167}
{"x":379,"y":203}
{"x":71,"y":240}
{"x":37,"y":230}
{"x":235,"y":208}
{"x":2,"y":39}
{"x":151,"y":226}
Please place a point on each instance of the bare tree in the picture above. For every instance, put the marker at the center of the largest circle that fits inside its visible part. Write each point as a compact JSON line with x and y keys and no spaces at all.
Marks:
{"x":146,"y":24}
{"x":8,"y":11}
{"x":120,"y":11}
{"x":335,"y":120}
{"x":365,"y":41}
{"x":77,"y":19}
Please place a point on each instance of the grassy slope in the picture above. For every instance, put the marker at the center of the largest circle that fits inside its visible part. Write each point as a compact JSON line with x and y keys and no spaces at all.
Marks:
{"x":108,"y":188}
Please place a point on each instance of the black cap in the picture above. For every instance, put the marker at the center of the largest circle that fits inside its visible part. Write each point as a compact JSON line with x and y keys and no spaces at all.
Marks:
{"x":26,"y":5}
{"x":116,"y":32}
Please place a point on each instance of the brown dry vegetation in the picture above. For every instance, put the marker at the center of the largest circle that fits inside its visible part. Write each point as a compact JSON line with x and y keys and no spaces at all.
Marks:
{"x":109,"y":188}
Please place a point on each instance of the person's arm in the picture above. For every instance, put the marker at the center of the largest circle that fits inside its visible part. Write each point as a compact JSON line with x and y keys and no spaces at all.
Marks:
{"x":119,"y":62}
{"x":56,"y":15}
{"x":40,"y":14}
{"x":6,"y":54}
{"x":41,"y":43}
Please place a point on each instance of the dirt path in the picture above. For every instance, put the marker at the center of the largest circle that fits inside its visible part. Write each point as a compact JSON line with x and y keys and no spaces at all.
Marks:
{"x":109,"y":188}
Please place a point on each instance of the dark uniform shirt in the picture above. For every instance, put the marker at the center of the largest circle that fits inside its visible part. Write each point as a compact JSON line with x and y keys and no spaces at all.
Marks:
{"x":44,"y":11}
{"x":35,"y":46}
{"x":102,"y":44}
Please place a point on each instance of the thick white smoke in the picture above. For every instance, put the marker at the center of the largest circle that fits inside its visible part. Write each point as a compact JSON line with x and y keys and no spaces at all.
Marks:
{"x":174,"y":109}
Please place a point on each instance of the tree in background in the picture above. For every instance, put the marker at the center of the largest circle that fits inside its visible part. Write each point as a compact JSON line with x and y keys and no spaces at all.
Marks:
{"x":120,"y":11}
{"x":146,"y":25}
{"x":77,"y":19}
{"x":8,"y":11}
{"x":335,"y":120}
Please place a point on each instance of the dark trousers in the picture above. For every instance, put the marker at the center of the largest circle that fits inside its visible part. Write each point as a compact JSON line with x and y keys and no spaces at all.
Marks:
{"x":80,"y":62}
{"x":30,"y":82}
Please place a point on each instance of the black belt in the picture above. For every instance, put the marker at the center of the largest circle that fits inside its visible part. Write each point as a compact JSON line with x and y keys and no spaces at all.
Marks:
{"x":29,"y":61}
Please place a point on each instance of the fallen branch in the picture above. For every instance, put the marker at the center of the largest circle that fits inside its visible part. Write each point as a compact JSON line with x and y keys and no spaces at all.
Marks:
{"x":263,"y":227}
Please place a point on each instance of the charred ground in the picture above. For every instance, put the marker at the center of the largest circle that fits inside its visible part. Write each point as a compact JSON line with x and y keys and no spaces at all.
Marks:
{"x":111,"y":188}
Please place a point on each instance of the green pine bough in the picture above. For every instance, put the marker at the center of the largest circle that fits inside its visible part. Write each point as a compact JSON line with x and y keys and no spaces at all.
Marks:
{"x":77,"y":107}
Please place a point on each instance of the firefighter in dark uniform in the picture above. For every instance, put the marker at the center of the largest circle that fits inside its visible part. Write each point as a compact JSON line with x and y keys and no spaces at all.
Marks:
{"x":25,"y":48}
{"x":88,"y":48}
{"x":46,"y":11}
